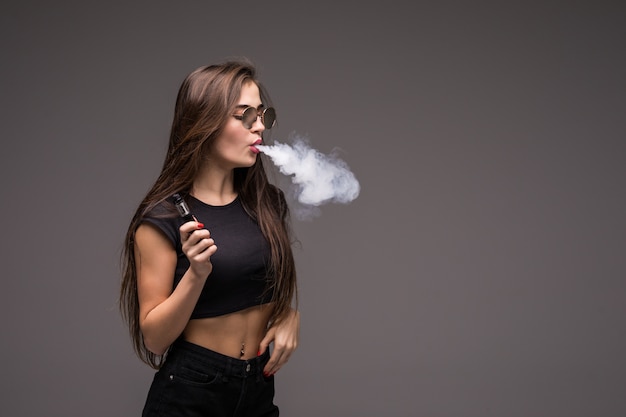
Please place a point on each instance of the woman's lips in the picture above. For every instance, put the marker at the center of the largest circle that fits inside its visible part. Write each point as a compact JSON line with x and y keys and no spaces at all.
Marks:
{"x":253,"y":147}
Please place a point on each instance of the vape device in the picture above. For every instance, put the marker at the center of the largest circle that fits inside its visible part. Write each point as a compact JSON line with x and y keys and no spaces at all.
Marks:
{"x":182,"y":208}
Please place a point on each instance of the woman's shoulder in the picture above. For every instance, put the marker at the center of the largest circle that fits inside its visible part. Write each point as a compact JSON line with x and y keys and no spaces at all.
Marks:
{"x":165,"y":217}
{"x":164,"y":209}
{"x":279,"y":202}
{"x":275,"y":191}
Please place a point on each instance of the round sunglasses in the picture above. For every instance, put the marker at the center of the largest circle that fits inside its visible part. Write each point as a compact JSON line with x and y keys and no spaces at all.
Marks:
{"x":250,"y":114}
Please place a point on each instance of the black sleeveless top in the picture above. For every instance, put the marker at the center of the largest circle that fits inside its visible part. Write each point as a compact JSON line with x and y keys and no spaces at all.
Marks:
{"x":240,"y":264}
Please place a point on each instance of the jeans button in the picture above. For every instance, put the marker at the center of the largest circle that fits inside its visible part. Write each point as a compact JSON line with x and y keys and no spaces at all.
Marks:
{"x":248,"y":368}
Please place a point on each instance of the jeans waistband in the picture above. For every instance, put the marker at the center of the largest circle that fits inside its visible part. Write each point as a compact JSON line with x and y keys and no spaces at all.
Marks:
{"x":227,"y":365}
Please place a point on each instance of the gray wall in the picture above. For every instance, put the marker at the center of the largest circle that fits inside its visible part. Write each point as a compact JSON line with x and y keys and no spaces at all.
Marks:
{"x":481,"y":272}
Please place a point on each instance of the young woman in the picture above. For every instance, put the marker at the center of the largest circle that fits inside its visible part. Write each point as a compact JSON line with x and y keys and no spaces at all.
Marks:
{"x":204,"y":299}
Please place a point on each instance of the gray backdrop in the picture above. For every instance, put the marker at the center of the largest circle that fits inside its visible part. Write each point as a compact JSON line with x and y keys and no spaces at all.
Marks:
{"x":481,"y":272}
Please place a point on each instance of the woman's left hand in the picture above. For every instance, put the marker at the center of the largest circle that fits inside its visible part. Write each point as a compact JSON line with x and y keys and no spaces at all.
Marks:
{"x":285,"y":336}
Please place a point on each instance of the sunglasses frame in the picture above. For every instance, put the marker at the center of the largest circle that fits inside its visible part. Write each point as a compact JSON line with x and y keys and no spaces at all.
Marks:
{"x":258,"y":114}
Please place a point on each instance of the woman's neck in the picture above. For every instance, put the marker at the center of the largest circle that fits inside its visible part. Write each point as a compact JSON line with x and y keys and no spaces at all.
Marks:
{"x":214,"y":187}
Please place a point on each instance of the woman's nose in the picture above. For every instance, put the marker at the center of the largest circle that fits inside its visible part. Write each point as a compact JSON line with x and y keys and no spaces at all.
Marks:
{"x":258,"y":124}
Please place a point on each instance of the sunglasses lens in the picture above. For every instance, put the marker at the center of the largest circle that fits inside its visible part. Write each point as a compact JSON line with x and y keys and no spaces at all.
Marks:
{"x":248,"y":117}
{"x":269,"y":117}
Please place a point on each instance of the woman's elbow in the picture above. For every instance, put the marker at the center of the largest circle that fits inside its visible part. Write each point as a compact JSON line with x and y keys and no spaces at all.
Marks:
{"x":157,"y":349}
{"x":153,"y":343}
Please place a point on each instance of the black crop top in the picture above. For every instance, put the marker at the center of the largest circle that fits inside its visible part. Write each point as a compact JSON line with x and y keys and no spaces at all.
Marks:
{"x":240,"y":264}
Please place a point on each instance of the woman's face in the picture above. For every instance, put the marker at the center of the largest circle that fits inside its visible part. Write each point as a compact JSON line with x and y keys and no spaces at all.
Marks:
{"x":235,"y":147}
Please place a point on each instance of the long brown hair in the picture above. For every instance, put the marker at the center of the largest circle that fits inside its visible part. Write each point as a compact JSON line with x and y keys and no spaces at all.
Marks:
{"x":205,"y":101}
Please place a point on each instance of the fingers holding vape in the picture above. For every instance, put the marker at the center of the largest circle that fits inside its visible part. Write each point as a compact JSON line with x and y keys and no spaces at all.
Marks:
{"x":197,"y":243}
{"x":198,"y":246}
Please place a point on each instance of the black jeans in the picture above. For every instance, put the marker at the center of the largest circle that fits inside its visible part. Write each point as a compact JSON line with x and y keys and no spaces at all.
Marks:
{"x":199,"y":382}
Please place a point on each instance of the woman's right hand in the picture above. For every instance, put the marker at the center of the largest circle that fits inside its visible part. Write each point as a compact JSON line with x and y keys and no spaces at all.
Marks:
{"x":198,"y":246}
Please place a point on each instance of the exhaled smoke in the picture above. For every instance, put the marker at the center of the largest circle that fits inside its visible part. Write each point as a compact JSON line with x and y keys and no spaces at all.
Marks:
{"x":319,"y":178}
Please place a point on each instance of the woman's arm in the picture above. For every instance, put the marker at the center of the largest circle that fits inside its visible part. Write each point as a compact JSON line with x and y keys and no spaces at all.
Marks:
{"x":163,"y":314}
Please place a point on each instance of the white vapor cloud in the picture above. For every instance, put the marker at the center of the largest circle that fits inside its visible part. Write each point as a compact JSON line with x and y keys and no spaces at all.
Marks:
{"x":319,"y":178}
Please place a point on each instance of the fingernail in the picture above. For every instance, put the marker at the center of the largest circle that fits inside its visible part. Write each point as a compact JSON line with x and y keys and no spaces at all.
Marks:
{"x":258,"y":353}
{"x":200,"y":225}
{"x":266,"y":374}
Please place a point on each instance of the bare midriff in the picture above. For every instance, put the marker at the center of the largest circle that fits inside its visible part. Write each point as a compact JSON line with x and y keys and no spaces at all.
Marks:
{"x":237,"y":334}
